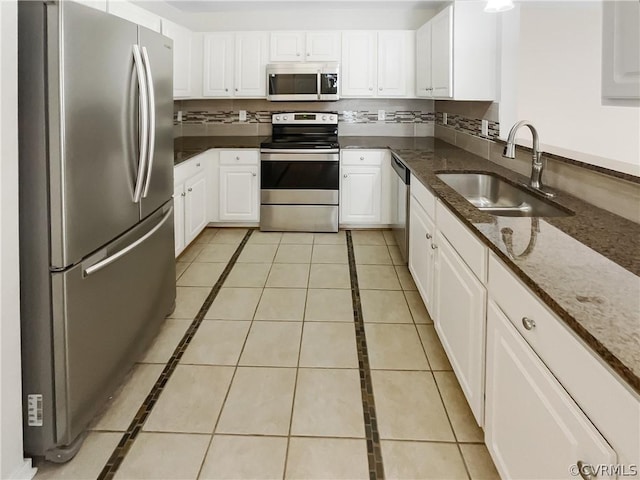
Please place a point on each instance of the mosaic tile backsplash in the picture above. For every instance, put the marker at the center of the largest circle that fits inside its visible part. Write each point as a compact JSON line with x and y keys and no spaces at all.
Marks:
{"x":472,"y":126}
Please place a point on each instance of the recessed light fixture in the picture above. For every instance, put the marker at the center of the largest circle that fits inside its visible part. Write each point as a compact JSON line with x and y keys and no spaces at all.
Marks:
{"x":495,"y":6}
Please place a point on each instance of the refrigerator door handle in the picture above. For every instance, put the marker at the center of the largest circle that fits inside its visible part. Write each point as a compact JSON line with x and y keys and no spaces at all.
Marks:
{"x":144,"y":123}
{"x":96,"y":267}
{"x":152,"y":120}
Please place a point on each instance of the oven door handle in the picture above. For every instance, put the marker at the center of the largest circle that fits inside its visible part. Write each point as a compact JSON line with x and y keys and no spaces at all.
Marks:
{"x":318,"y":151}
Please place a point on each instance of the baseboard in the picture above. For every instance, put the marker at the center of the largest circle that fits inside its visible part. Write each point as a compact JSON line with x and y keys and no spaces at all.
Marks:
{"x":26,"y":471}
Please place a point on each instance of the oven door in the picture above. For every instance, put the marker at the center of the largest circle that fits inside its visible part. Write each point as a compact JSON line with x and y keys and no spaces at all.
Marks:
{"x":299,"y":178}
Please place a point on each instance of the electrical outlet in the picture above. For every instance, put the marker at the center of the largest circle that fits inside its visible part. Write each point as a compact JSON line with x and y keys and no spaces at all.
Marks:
{"x":444,"y":118}
{"x":382,"y":115}
{"x":484,"y":126}
{"x":179,"y":116}
{"x":243,"y":115}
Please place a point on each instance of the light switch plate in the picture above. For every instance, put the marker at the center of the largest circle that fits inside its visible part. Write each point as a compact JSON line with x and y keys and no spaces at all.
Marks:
{"x":444,"y":118}
{"x":382,"y":115}
{"x":243,"y":115}
{"x":179,"y":116}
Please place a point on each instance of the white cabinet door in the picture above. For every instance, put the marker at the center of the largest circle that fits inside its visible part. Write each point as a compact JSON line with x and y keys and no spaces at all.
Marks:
{"x":218,"y":65}
{"x":360,"y":195}
{"x":287,"y":47}
{"x":460,"y":301}
{"x":182,"y":58}
{"x":178,"y":218}
{"x":442,"y":53}
{"x":239,"y":193}
{"x":533,"y":428}
{"x":133,"y":13}
{"x":322,"y":46}
{"x":423,"y":61}
{"x":195,"y":206}
{"x":392,"y":64}
{"x":359,"y":64}
{"x":421,"y":254}
{"x":250,"y":69}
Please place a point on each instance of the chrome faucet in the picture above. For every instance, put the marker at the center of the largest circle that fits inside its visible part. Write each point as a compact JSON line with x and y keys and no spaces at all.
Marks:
{"x":536,"y":165}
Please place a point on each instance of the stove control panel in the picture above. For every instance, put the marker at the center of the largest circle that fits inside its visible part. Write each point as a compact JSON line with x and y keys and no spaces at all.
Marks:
{"x":305,"y":118}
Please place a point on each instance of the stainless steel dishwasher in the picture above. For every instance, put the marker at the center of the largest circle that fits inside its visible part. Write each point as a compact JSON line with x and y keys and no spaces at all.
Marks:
{"x":400,"y":205}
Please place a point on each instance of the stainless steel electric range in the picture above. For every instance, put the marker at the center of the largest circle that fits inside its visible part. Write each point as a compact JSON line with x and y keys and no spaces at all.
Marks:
{"x":299,"y":173}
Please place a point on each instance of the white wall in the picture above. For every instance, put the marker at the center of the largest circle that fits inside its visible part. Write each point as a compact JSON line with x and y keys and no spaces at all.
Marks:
{"x":553,"y":75}
{"x":12,"y":465}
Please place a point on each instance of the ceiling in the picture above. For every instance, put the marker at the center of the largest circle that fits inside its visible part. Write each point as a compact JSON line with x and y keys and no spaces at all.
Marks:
{"x":202,"y":6}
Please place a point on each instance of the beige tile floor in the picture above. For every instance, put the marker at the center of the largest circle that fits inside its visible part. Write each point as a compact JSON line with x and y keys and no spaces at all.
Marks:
{"x":269,"y":386}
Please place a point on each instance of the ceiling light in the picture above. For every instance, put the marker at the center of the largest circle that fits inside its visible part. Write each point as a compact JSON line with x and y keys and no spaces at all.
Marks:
{"x":495,"y":6}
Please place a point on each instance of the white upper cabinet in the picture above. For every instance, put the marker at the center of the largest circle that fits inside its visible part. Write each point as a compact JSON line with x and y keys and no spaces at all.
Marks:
{"x":287,"y":47}
{"x":442,"y":53}
{"x":395,"y":63}
{"x":250,"y":64}
{"x":234,"y":64}
{"x":423,"y":61}
{"x":133,"y":13}
{"x":218,"y":65}
{"x":322,"y":46}
{"x":305,"y":46}
{"x":378,"y":64}
{"x":97,"y":4}
{"x":456,"y":54}
{"x":359,"y":64}
{"x":621,"y":50}
{"x":182,"y":58}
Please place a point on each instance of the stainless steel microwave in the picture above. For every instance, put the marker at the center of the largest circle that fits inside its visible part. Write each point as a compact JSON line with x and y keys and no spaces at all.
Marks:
{"x":303,"y":82}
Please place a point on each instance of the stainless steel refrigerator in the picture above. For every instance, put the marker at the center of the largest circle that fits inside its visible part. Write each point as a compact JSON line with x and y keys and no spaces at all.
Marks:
{"x":97,"y":264}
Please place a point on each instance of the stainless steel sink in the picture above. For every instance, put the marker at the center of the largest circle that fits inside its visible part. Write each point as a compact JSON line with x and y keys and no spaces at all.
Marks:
{"x":493,"y":195}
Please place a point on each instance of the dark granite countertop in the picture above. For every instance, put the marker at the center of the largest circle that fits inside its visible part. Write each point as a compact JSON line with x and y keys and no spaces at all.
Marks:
{"x":186,"y":147}
{"x":585,"y":267}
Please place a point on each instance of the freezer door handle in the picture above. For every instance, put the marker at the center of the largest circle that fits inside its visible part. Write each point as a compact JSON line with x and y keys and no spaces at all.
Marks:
{"x":96,"y":267}
{"x":152,"y":119}
{"x":143,"y":97}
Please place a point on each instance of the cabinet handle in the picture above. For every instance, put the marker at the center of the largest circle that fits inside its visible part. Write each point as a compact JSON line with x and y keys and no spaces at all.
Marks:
{"x":197,"y":164}
{"x":308,"y":54}
{"x":361,"y":158}
{"x":428,"y":236}
{"x":237,"y":158}
{"x":183,"y":194}
{"x":380,"y":88}
{"x":433,"y":246}
{"x":298,"y":54}
{"x":585,"y":470}
{"x":370,"y":88}
{"x":226,"y":89}
{"x":190,"y":189}
{"x":236,"y":89}
{"x":345,"y":175}
{"x":528,"y":323}
{"x":254,"y":174}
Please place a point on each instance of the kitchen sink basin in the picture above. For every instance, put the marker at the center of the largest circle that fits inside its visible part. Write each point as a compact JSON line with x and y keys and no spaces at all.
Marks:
{"x":494,"y":195}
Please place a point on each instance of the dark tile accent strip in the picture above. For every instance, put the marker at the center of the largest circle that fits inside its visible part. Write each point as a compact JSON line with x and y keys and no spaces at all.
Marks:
{"x":374,"y":452}
{"x":135,"y":427}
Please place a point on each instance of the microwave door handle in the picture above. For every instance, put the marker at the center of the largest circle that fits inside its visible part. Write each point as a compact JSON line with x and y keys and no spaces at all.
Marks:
{"x":319,"y":83}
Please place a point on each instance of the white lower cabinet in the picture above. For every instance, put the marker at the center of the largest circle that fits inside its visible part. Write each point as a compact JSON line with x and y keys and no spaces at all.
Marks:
{"x":190,"y":191}
{"x":239,"y":186}
{"x":195,"y":206}
{"x":360,"y":195}
{"x":178,"y":217}
{"x":533,"y":428}
{"x":460,"y":302}
{"x":421,"y":254}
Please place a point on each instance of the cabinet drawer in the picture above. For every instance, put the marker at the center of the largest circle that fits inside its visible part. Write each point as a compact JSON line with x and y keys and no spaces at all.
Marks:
{"x":239,"y":157}
{"x":613,"y":409}
{"x":472,"y":251}
{"x":188,"y":169}
{"x":423,"y":196}
{"x":362,"y":157}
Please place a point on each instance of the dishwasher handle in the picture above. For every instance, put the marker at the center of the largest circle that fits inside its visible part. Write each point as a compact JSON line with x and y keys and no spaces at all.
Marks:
{"x":401,"y":169}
